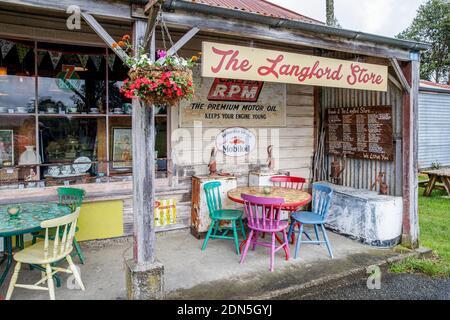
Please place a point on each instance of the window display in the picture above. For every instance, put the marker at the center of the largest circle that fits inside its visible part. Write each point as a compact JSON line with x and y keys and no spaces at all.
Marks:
{"x":67,"y":122}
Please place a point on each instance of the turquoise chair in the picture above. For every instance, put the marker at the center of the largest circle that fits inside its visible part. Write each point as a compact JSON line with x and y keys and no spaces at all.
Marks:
{"x":218,"y":215}
{"x":321,"y":198}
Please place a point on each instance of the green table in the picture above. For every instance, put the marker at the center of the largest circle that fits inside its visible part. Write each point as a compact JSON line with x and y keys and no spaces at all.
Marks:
{"x":28,"y":220}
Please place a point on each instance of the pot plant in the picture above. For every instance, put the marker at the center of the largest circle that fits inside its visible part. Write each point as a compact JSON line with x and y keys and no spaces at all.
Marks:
{"x":162,"y":80}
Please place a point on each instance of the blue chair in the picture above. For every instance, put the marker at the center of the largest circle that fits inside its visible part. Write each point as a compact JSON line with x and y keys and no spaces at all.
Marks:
{"x":218,"y":215}
{"x":321,"y":198}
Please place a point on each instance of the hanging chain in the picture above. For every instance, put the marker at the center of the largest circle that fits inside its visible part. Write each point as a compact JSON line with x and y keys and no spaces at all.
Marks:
{"x":164,"y":30}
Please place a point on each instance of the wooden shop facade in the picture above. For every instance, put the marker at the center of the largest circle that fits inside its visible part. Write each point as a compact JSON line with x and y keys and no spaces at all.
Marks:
{"x":334,"y":105}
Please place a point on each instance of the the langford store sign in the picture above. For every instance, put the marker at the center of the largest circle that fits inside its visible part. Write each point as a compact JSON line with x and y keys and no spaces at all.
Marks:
{"x":236,"y":142}
{"x":236,"y":62}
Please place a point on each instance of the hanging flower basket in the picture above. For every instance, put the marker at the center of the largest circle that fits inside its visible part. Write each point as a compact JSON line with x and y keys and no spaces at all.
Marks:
{"x":159,"y":84}
{"x":161,"y":80}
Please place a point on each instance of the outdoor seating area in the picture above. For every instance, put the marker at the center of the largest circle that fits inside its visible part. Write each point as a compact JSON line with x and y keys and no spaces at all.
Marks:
{"x":215,"y":268}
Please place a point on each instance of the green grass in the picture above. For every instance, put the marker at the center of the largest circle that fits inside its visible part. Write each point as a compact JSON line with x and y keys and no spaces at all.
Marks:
{"x":434,"y":219}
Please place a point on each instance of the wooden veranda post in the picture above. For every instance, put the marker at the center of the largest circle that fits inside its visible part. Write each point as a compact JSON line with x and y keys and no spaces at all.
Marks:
{"x":145,"y":275}
{"x":410,"y":233}
{"x":143,"y":127}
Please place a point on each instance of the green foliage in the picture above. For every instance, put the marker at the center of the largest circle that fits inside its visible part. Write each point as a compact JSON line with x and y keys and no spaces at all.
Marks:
{"x":434,"y":217}
{"x":432,"y":25}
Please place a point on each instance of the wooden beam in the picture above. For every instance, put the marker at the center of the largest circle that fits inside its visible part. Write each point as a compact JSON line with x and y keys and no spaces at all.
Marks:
{"x":90,"y":20}
{"x":180,"y":43}
{"x":400,"y":75}
{"x":143,"y":129}
{"x":149,"y":6}
{"x":410,"y":231}
{"x":117,"y":10}
{"x":394,"y":81}
{"x":241,"y":29}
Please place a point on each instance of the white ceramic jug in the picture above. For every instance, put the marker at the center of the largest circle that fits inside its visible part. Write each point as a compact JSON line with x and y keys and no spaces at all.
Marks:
{"x":29,"y":156}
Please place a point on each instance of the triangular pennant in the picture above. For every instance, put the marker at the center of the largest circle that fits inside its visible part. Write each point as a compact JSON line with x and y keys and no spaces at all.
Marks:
{"x":5,"y":46}
{"x":41,"y":55}
{"x":22,"y":51}
{"x":111,"y":60}
{"x":97,"y":60}
{"x":83,"y":59}
{"x":55,"y":57}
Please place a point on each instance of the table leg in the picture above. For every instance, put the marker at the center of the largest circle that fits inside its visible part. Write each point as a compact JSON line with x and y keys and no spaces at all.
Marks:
{"x":8,"y":250}
{"x":430,"y":186}
{"x":446,"y":181}
{"x":4,"y":256}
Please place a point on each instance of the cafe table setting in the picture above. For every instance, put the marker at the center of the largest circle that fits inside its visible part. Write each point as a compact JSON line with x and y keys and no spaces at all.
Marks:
{"x":293,"y":198}
{"x":19,"y":219}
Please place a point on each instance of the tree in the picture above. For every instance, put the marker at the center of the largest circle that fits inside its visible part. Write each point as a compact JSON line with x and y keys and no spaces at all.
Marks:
{"x":432,"y":25}
{"x":331,"y":19}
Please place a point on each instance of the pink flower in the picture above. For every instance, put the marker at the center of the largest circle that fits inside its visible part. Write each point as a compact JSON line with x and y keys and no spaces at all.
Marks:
{"x":161,"y":54}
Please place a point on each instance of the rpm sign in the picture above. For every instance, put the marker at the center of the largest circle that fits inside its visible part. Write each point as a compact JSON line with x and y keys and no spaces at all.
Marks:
{"x":236,"y":142}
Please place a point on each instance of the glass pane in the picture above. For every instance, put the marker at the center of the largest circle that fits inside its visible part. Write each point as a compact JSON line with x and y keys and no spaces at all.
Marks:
{"x":71,"y":79}
{"x":73,"y":149}
{"x":120,"y":145}
{"x":18,"y":155}
{"x":117,"y":73}
{"x":161,"y":146}
{"x":17,"y":82}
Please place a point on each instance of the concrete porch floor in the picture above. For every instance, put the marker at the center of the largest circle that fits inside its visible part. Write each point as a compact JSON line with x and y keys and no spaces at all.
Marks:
{"x":212,"y":274}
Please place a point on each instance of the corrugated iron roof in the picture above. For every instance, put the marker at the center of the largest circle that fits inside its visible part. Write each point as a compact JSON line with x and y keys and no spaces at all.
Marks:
{"x":261,"y":7}
{"x":428,"y":84}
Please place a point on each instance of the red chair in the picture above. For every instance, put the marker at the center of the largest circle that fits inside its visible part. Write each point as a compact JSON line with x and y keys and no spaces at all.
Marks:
{"x":288,"y":182}
{"x":291,"y":183}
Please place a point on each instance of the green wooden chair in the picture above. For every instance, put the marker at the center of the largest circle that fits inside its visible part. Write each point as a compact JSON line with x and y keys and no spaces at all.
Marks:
{"x":72,"y":197}
{"x":219,"y":215}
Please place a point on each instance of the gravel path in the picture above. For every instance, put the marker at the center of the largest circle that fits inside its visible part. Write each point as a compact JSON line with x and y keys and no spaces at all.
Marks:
{"x":393,"y":287}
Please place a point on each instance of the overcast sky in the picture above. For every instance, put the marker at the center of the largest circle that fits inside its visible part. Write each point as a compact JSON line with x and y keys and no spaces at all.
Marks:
{"x":383,"y":17}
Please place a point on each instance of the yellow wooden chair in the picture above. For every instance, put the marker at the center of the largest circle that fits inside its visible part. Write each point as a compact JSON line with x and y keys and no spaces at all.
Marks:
{"x":46,"y":252}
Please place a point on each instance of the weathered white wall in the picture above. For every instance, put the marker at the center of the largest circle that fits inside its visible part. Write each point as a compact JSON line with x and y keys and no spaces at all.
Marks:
{"x":293,"y":144}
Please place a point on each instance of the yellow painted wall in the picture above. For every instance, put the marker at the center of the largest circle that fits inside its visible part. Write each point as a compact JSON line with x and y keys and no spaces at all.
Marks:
{"x":100,"y":220}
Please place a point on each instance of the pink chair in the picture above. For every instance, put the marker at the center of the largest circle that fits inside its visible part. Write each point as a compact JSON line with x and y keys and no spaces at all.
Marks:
{"x":263,"y":216}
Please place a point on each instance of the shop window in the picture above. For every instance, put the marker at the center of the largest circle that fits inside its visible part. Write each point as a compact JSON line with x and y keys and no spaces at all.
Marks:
{"x":81,"y":129}
{"x":17,"y":82}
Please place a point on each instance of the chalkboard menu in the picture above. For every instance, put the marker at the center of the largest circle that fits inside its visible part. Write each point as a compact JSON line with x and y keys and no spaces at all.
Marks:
{"x":360,"y":132}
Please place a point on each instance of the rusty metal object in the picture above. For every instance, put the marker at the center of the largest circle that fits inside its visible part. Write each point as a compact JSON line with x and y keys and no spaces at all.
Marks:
{"x":270,"y":159}
{"x":337,"y":169}
{"x":380,"y":179}
{"x":212,"y":165}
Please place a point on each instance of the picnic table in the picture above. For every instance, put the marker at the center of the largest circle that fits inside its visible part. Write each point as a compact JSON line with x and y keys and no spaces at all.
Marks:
{"x":436,"y":175}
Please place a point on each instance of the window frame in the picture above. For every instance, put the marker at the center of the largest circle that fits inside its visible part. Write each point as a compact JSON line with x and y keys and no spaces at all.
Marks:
{"x":107,"y":116}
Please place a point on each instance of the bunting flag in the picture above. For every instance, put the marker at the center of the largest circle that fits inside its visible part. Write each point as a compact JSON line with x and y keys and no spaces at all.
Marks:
{"x":97,"y":60}
{"x":111,"y":60}
{"x":83,"y":59}
{"x":55,"y":57}
{"x":22,"y":51}
{"x":41,"y":55}
{"x":5,"y":46}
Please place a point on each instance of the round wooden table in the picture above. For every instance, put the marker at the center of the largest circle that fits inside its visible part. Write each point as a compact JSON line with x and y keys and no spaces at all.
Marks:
{"x":293,"y":199}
